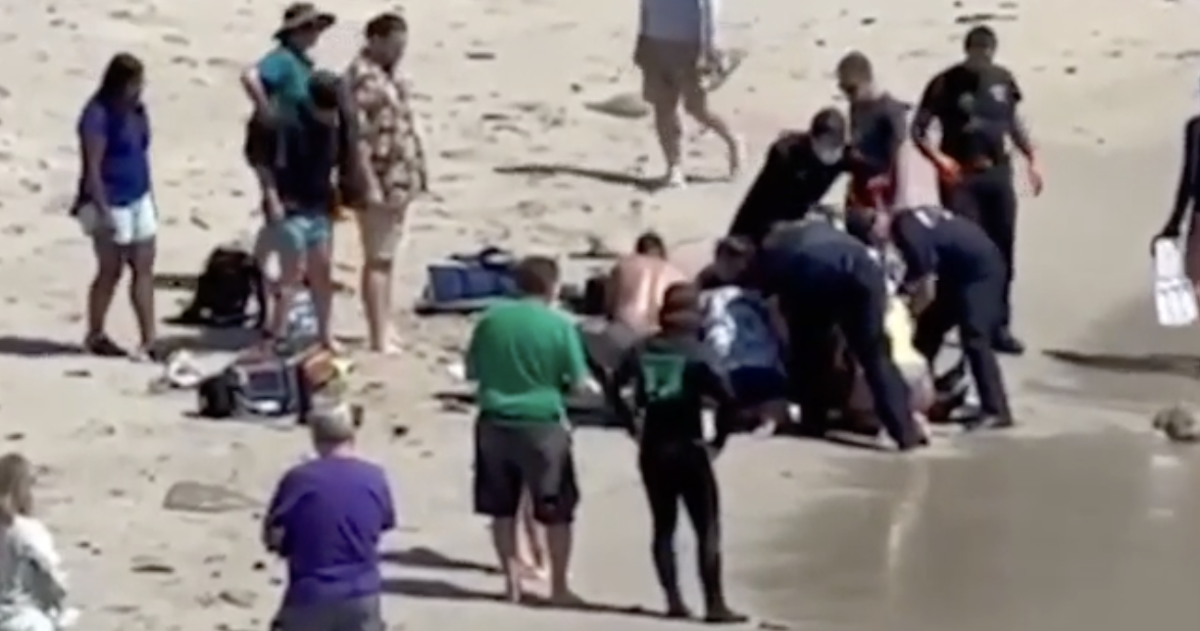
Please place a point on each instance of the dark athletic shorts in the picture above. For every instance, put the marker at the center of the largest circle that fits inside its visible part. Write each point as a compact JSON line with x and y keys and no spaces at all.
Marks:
{"x":513,"y":458}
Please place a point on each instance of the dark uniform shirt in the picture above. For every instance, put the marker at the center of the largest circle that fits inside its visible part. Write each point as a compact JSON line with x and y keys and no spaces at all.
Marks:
{"x":792,"y":180}
{"x":813,"y":254}
{"x":976,"y":107}
{"x":933,"y":241}
{"x":672,"y":375}
{"x":304,"y":157}
{"x":878,"y":128}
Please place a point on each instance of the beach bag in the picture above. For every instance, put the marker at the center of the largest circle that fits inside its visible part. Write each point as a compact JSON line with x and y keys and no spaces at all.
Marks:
{"x":470,"y":279}
{"x":1174,"y":294}
{"x":224,"y":290}
{"x":269,"y":385}
{"x":301,"y":327}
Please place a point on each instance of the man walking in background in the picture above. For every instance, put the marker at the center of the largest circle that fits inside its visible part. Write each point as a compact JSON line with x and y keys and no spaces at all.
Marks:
{"x":524,"y":357}
{"x":392,"y":163}
{"x":975,"y":103}
{"x":676,"y":47}
{"x":326,"y":518}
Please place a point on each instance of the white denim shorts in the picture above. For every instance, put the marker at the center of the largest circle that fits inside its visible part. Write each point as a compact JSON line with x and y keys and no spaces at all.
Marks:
{"x":134,"y":222}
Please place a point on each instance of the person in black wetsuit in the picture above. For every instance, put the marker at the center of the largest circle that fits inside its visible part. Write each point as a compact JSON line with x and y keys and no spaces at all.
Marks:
{"x":799,"y":170}
{"x":878,"y":129}
{"x":671,"y":373}
{"x":1187,"y":195}
{"x":825,"y":279}
{"x":954,"y":277}
{"x":975,"y":102}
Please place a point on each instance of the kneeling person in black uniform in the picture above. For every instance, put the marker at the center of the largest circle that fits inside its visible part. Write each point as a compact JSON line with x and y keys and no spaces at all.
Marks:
{"x":672,"y":374}
{"x":824,"y":279}
{"x":969,"y":272}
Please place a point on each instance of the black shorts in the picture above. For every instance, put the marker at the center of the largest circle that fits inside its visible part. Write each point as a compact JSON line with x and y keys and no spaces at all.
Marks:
{"x":535,"y":457}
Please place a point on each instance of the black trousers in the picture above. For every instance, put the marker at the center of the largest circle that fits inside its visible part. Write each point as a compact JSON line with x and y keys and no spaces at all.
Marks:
{"x":854,"y":302}
{"x":683,"y":473}
{"x":989,"y":198}
{"x":974,"y":308}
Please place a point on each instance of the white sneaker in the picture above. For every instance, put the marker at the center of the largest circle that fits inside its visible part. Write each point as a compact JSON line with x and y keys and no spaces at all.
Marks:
{"x":675,"y":178}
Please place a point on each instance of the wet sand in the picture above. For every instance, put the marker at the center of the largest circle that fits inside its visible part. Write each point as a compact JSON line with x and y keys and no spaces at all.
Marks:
{"x":1012,"y":533}
{"x":1061,"y":534}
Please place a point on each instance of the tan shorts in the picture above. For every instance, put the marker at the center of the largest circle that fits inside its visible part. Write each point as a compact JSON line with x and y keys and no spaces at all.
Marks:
{"x":670,"y":71}
{"x":380,"y":229}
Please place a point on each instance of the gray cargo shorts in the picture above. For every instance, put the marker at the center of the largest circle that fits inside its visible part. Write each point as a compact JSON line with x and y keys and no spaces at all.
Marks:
{"x":512,"y":458}
{"x":356,"y":614}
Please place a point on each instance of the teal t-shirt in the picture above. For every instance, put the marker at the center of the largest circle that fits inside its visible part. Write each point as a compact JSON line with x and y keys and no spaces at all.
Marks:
{"x":523,"y":356}
{"x":284,"y":74}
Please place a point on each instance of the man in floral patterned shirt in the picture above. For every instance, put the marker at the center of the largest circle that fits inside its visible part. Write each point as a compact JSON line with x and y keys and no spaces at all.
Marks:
{"x":393,"y":163}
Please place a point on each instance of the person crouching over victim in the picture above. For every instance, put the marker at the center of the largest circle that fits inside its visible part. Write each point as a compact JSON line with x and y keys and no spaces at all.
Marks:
{"x":671,"y":374}
{"x":744,"y":331}
{"x":824,"y":280}
{"x":955,"y":277}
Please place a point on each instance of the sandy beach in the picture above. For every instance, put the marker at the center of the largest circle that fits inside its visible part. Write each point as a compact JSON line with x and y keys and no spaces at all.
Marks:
{"x":505,"y":84}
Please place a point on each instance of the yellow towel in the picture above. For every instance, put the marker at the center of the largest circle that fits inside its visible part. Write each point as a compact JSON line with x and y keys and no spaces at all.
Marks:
{"x":899,"y":327}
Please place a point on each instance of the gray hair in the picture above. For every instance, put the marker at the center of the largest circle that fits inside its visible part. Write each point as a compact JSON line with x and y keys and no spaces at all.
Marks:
{"x":334,"y":424}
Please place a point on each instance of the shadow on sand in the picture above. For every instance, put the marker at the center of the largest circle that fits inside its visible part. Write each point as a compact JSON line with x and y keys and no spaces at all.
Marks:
{"x":429,"y":558}
{"x":205,"y":340}
{"x":1150,"y":363}
{"x":20,"y":346}
{"x":641,"y":183}
{"x":437,"y":589}
{"x":1119,"y":358}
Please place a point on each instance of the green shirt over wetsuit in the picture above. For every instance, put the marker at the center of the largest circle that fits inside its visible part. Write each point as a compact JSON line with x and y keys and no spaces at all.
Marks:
{"x":524,"y":356}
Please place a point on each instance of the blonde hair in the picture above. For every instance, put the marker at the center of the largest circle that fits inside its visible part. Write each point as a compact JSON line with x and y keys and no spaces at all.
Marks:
{"x":16,"y":487}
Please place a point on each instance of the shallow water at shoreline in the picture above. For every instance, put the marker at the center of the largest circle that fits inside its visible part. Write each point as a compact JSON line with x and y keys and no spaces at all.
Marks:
{"x":1082,"y":532}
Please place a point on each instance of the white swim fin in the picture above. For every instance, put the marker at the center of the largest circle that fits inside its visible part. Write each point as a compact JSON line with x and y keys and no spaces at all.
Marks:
{"x":1174,"y":294}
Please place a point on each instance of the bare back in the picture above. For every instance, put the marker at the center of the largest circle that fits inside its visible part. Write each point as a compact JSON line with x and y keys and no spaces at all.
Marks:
{"x":636,"y":287}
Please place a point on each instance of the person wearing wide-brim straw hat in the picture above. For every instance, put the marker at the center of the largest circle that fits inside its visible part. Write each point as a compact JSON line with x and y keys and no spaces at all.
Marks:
{"x":277,"y":85}
{"x":304,"y":16}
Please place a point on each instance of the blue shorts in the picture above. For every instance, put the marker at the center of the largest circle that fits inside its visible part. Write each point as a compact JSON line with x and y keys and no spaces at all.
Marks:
{"x":303,"y":231}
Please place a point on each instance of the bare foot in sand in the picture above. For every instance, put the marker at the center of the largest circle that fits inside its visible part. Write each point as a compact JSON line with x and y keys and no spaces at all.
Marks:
{"x":533,"y":572}
{"x":566,"y":599}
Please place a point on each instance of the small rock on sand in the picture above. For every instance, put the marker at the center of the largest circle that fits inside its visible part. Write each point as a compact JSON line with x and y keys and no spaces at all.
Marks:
{"x":197,"y":497}
{"x":625,"y":105}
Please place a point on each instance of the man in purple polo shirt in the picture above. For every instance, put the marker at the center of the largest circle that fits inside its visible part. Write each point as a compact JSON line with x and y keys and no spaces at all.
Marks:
{"x":325,"y":519}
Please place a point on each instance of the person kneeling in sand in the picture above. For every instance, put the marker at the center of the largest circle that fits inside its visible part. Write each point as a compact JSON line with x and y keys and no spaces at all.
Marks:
{"x":635,"y":288}
{"x":32,"y":582}
{"x":745,"y":332}
{"x":326,"y":518}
